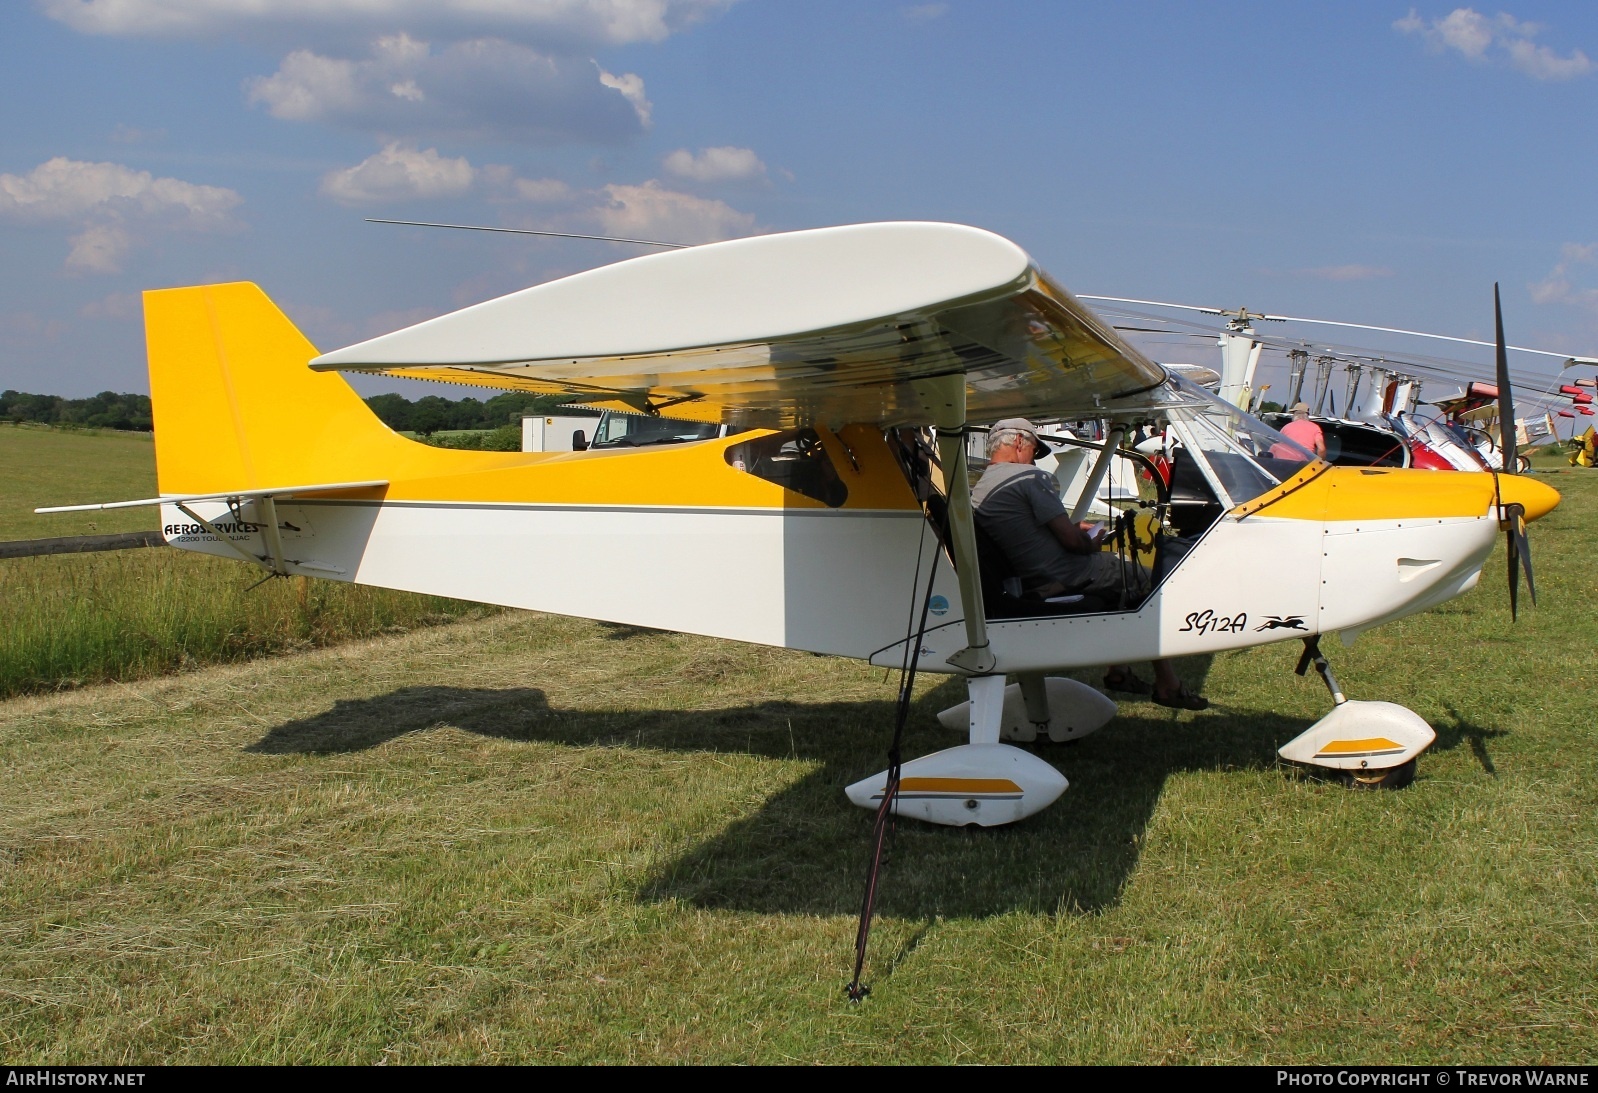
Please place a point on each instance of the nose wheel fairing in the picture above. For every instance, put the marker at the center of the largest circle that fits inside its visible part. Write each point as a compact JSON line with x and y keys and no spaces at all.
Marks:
{"x":1363,"y":741}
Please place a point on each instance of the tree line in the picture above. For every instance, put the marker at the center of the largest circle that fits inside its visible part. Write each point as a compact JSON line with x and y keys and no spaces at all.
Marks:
{"x":432,"y":414}
{"x":426,"y":416}
{"x":107,"y":410}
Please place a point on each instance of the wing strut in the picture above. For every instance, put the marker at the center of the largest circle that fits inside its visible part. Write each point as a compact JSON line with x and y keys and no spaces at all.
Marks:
{"x":945,"y":397}
{"x":1112,"y":441}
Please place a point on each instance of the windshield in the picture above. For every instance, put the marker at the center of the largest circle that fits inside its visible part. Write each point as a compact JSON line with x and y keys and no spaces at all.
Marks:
{"x":1242,"y":455}
{"x":618,"y":430}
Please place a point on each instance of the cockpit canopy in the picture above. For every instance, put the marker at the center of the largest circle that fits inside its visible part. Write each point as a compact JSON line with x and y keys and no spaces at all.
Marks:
{"x":1239,"y":456}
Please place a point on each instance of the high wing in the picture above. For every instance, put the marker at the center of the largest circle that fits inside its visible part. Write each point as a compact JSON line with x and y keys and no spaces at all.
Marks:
{"x":850,"y":324}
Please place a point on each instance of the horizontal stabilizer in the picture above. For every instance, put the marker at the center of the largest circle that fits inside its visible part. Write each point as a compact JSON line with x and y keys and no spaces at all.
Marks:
{"x":228,"y":495}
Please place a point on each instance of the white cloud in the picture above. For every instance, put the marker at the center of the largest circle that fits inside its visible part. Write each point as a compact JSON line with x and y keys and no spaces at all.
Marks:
{"x":401,"y":171}
{"x":516,"y":70}
{"x":653,"y":212}
{"x":541,"y":190}
{"x":64,"y":188}
{"x":99,"y":248}
{"x":398,"y":172}
{"x":724,"y":164}
{"x":485,"y":88}
{"x":1479,"y":38}
{"x":575,"y":24}
{"x":1542,"y":63}
{"x":632,"y":89}
{"x":1466,"y":31}
{"x":1556,"y":288}
{"x":308,"y":87}
{"x":111,"y":205}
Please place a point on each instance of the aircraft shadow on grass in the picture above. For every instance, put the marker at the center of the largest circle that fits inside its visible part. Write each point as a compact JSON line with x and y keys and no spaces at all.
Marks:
{"x":1468,"y":733}
{"x":805,"y":850}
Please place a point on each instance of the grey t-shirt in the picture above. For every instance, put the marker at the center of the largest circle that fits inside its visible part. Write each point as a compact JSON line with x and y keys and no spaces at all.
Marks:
{"x":1014,"y":503}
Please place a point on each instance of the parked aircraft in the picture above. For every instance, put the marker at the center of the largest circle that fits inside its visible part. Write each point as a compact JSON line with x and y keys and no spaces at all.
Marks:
{"x":854,"y":362}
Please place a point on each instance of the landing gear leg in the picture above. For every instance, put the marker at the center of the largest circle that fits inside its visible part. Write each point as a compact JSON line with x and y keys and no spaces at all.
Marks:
{"x":1313,"y":655}
{"x":1367,"y":745}
{"x":987,"y":708}
{"x":1035,"y":697}
{"x":1034,"y":708}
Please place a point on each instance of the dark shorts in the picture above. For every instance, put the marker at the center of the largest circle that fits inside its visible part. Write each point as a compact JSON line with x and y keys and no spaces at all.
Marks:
{"x":1108,"y":576}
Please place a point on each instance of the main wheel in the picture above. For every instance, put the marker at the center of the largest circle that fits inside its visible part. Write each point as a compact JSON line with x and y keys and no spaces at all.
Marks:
{"x":1387,"y":778}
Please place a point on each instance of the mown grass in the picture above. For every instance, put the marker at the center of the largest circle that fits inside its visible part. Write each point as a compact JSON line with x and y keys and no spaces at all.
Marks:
{"x":46,"y":466}
{"x":531,"y":838}
{"x":66,"y":620}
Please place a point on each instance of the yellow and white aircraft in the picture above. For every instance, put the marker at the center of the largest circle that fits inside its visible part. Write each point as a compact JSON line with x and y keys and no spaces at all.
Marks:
{"x":822,"y":521}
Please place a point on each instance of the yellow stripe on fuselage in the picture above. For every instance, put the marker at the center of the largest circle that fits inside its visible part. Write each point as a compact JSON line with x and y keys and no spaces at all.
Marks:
{"x":687,"y":475}
{"x":1340,"y":494}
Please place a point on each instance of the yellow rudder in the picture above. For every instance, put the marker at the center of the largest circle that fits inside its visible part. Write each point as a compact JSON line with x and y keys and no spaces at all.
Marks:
{"x":236,"y":406}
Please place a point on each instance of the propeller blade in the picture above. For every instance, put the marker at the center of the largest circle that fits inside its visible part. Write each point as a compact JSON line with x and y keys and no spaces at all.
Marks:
{"x":1523,"y":548}
{"x":1511,"y":516}
{"x":1518,"y":550}
{"x":1513,"y":551}
{"x":1506,"y":401}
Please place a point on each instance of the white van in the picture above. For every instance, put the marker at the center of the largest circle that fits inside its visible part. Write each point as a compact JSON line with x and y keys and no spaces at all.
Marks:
{"x":554,"y":432}
{"x":621,"y":430}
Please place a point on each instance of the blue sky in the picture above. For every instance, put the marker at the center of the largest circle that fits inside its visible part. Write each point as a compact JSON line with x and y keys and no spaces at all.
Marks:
{"x":1370,"y":162}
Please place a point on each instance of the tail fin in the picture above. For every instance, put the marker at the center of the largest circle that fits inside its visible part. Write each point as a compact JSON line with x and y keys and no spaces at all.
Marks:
{"x":235,"y":405}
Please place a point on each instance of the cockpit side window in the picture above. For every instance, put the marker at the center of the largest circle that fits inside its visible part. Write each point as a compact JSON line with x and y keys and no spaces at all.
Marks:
{"x":794,"y":459}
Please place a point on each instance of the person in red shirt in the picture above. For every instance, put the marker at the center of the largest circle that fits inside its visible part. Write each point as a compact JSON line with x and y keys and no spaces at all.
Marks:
{"x":1303,"y":432}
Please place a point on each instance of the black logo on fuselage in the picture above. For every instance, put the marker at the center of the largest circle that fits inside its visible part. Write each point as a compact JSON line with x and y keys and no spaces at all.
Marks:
{"x":1276,"y":622}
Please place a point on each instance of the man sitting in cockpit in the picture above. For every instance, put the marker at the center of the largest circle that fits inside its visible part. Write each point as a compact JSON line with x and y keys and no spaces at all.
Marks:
{"x":1018,"y":505}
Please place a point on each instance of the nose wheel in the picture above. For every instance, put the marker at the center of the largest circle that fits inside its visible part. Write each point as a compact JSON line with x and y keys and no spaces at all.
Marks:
{"x":1388,"y":778}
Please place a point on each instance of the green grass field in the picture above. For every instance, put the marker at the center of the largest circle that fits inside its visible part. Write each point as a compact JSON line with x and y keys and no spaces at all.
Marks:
{"x":528,"y":838}
{"x":72,"y":619}
{"x":45,"y":466}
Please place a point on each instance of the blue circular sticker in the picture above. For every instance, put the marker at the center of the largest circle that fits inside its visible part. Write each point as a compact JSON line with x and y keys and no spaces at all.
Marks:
{"x":939,"y":605}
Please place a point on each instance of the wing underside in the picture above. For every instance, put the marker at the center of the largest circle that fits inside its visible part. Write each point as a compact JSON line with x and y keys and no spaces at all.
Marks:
{"x":834,"y":325}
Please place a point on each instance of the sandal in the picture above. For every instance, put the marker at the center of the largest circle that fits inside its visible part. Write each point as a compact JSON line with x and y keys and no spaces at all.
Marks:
{"x":1183,"y":699}
{"x":1126,"y":683}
